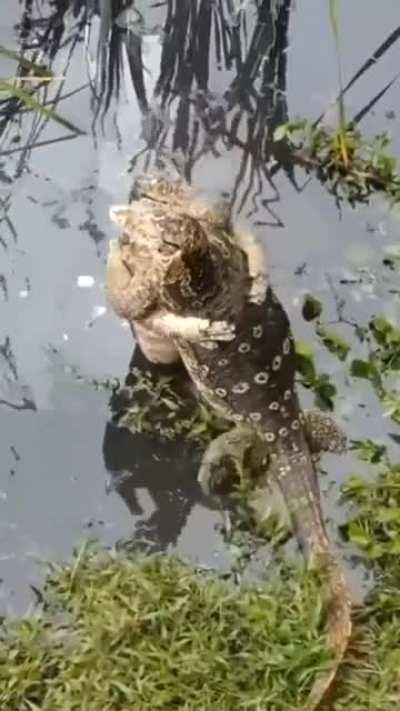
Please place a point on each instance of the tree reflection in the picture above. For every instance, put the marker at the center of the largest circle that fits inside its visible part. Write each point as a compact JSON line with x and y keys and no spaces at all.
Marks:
{"x":204,"y":44}
{"x":250,"y":48}
{"x":221,"y":83}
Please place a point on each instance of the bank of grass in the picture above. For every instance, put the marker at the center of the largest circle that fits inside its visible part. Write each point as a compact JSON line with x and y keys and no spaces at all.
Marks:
{"x":370,"y":679}
{"x":152,"y":633}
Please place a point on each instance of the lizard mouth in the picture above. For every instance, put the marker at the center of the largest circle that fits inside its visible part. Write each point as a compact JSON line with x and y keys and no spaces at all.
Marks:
{"x":169,"y":243}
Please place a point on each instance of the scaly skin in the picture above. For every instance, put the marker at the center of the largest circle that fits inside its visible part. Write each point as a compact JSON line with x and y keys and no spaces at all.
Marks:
{"x":236,"y":344}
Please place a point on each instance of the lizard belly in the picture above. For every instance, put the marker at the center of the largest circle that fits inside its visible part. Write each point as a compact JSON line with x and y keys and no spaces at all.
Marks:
{"x":156,"y":348}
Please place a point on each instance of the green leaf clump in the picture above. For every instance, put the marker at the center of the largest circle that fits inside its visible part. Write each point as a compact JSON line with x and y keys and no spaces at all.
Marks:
{"x":312,"y":308}
{"x":350,"y":165}
{"x":320,"y":383}
{"x":375,"y":528}
{"x":382,"y":363}
{"x":333,"y":342}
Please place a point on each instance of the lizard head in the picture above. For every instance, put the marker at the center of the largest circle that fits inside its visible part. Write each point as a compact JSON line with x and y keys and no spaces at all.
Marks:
{"x":164,"y":232}
{"x":161,"y":189}
{"x":179,"y":195}
{"x":175,"y":243}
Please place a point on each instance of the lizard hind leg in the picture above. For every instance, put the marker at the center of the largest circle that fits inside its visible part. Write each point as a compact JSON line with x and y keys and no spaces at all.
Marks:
{"x":239,"y":460}
{"x":224,"y":462}
{"x":323,"y":433}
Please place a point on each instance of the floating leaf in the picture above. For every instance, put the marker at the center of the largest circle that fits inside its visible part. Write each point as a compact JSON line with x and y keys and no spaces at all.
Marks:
{"x":384,"y":331}
{"x":325,"y":392}
{"x":312,"y":307}
{"x":305,"y":361}
{"x":369,"y":451}
{"x":361,"y":369}
{"x":333,"y":342}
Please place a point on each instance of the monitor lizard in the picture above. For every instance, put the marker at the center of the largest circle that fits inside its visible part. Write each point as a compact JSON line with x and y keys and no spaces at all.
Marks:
{"x":205,"y":296}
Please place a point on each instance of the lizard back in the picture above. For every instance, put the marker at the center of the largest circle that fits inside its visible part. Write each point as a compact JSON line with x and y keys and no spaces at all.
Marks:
{"x":251,"y":380}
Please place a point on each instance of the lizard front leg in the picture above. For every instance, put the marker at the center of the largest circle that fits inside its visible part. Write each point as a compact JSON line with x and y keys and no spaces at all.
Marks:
{"x":258,"y":270}
{"x":131,"y":297}
{"x":191,"y":328}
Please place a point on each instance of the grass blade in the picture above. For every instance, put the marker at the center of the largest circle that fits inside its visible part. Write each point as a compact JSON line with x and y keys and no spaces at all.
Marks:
{"x":334,"y":20}
{"x":30,"y":102}
{"x":38,"y":69}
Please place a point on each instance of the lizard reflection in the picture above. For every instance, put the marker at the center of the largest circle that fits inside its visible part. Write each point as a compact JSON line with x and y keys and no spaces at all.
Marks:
{"x":165,"y":469}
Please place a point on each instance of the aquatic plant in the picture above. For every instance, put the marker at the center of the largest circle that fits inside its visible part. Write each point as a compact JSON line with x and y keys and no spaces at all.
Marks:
{"x":382,"y":364}
{"x":352,"y":166}
{"x":153,"y":404}
{"x":375,"y":526}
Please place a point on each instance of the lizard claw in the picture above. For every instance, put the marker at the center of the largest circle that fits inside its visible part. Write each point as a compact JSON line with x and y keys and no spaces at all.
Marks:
{"x":219,"y":331}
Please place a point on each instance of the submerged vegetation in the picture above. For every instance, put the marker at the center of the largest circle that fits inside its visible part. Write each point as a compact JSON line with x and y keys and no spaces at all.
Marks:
{"x":153,"y":404}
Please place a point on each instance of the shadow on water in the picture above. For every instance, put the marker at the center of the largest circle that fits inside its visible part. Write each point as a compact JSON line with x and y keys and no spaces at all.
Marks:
{"x":201,"y":85}
{"x":137,"y":461}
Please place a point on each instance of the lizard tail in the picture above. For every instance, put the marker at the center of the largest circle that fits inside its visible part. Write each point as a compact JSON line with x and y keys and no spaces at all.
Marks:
{"x":338,"y":627}
{"x":298,"y":483}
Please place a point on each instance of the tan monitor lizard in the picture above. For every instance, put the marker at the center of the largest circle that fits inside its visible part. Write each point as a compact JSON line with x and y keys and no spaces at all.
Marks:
{"x":206,"y":295}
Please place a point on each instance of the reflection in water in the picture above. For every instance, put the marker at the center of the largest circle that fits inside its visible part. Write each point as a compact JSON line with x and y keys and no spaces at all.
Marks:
{"x":244,"y":115}
{"x":249,"y":43}
{"x":166,"y":470}
{"x":187,"y":114}
{"x":12,"y":393}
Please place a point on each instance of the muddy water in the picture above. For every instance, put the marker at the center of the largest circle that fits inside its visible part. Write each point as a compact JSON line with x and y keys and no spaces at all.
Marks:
{"x":65,"y":472}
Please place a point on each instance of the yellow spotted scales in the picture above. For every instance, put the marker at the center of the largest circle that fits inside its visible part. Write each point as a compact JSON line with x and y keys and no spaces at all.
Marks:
{"x":207,"y":292}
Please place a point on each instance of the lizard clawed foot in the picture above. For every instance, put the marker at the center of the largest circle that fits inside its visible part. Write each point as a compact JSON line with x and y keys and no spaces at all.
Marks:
{"x":218,"y":331}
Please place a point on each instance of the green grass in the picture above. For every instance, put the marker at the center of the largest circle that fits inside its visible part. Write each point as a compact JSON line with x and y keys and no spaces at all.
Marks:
{"x":375,"y":526}
{"x":155,"y":634}
{"x":370,"y":679}
{"x":152,"y":633}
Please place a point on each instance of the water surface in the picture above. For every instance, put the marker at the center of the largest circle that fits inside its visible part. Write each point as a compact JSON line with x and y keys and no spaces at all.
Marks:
{"x":65,"y":471}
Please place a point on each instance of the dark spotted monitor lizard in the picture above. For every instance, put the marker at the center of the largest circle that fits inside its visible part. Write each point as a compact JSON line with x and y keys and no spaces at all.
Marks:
{"x":235,"y":341}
